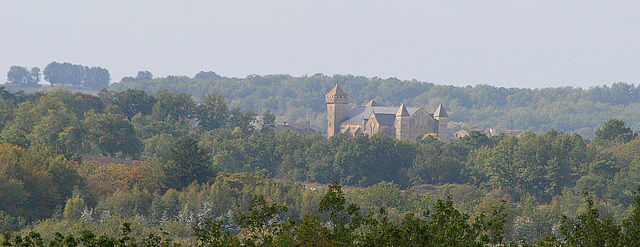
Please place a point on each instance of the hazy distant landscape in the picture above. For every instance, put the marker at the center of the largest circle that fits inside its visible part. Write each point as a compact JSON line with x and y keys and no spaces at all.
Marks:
{"x":207,"y":123}
{"x":301,"y":99}
{"x":202,"y":157}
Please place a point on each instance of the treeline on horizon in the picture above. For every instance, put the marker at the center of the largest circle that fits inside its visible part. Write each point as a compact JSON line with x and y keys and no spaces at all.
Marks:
{"x":207,"y":160}
{"x":301,"y":99}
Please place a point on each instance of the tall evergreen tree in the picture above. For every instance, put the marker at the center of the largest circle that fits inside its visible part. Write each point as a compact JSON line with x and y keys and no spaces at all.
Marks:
{"x":189,"y":163}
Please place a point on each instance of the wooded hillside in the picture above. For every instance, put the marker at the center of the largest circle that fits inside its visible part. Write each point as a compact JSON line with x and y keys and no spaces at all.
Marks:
{"x":192,"y":159}
{"x":298,"y":99}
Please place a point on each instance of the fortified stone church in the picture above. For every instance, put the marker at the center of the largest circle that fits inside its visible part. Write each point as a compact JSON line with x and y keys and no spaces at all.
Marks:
{"x":398,"y":122}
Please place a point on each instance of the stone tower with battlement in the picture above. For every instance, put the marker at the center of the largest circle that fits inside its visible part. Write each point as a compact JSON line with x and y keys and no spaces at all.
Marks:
{"x":337,"y":102}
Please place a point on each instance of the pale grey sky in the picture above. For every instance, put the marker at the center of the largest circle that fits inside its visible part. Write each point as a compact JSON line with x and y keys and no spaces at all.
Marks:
{"x":502,"y":43}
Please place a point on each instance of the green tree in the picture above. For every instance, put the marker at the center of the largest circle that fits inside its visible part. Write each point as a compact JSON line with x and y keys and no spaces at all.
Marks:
{"x":12,"y":194}
{"x":47,"y":122}
{"x":33,"y":178}
{"x":16,"y":131}
{"x":344,"y":218}
{"x":613,"y":132}
{"x":173,"y":105}
{"x":539,"y":165}
{"x":444,"y":226}
{"x":189,"y":163}
{"x":268,"y":122}
{"x":57,"y":126}
{"x":158,"y":146}
{"x":384,"y":194}
{"x":213,"y":112}
{"x":132,"y":102}
{"x":243,"y":120}
{"x":261,"y":224}
{"x":365,"y":160}
{"x":308,"y":231}
{"x":56,"y":73}
{"x":10,"y":223}
{"x":73,"y":208}
{"x":34,"y":76}
{"x":432,"y":166}
{"x":212,"y":235}
{"x":144,"y":75}
{"x":588,"y":229}
{"x":110,"y":134}
{"x":76,"y":75}
{"x":96,"y":78}
{"x":209,"y":75}
{"x":20,"y":75}
{"x":600,"y":179}
{"x":7,"y":109}
{"x":631,"y":225}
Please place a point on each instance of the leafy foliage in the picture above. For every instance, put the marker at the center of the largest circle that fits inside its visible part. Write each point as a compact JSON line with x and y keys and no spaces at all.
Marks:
{"x":211,"y":160}
{"x":189,"y":163}
{"x":20,"y":75}
{"x":613,"y":132}
{"x":111,"y":134}
{"x":589,"y":230}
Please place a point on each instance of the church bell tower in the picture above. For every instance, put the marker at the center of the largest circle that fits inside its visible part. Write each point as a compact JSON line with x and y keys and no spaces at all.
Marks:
{"x":337,"y":102}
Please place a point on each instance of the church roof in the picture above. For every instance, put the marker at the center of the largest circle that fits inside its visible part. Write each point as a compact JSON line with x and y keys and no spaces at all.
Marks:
{"x":357,"y":114}
{"x":440,"y":112}
{"x":402,"y":111}
{"x":385,"y":119}
{"x":337,"y":91}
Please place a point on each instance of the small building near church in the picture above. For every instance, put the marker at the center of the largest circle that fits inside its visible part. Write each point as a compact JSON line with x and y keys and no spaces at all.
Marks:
{"x":488,"y":132}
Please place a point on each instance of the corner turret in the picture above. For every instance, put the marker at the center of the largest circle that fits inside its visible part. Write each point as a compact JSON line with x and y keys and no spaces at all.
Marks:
{"x":402,"y":123}
{"x":441,"y":115}
{"x":402,"y":111}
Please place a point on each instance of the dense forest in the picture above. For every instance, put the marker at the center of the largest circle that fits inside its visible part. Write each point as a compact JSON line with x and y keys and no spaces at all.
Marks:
{"x":159,"y":167}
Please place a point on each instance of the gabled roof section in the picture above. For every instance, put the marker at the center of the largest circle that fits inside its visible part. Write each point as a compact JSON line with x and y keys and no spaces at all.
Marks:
{"x":440,"y":112}
{"x":356,"y":114}
{"x":371,"y":104}
{"x":337,"y":91}
{"x":402,"y":111}
{"x":385,"y":119}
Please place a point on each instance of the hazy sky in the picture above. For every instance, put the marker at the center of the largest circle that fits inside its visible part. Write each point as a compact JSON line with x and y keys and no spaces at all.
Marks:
{"x":501,"y":43}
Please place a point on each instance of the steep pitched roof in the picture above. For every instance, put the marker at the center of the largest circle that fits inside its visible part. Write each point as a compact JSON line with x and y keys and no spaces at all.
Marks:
{"x":383,"y":119}
{"x":357,"y":114}
{"x":337,"y":91}
{"x":440,"y":112}
{"x":371,"y":104}
{"x":402,"y":111}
